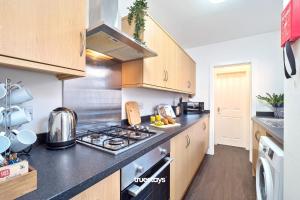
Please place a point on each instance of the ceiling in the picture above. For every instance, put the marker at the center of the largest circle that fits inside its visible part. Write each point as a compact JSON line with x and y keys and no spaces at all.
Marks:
{"x":198,"y":22}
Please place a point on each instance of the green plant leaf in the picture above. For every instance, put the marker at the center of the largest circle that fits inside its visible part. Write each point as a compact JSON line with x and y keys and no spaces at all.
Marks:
{"x":137,"y":13}
{"x":275,"y":100}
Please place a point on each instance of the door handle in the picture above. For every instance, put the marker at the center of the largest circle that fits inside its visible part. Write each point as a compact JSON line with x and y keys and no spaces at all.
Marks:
{"x":135,"y":190}
{"x":218,"y":109}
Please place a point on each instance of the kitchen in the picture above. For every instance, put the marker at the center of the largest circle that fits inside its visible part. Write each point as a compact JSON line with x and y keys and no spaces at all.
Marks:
{"x":112,"y":82}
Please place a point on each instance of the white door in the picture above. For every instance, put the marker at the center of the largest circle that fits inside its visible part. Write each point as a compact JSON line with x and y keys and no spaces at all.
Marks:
{"x":232,"y":105}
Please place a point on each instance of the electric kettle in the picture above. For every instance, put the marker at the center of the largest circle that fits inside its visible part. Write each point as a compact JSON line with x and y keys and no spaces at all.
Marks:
{"x":61,"y":128}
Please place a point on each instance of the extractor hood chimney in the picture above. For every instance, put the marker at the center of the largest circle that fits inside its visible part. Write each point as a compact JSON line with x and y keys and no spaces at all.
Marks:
{"x":103,"y":37}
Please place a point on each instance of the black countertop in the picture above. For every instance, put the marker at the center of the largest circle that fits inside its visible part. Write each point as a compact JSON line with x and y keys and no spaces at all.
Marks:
{"x":277,"y":133}
{"x":65,"y":173}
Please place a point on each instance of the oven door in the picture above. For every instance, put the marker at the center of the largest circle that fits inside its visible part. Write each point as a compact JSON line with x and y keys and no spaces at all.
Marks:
{"x":152,"y":185}
{"x":264,"y":180}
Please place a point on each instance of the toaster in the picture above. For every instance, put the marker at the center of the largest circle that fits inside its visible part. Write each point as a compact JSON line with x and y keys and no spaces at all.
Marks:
{"x":193,"y":107}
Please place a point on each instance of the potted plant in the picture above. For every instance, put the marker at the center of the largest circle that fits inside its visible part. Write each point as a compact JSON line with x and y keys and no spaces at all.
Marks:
{"x":137,"y":13}
{"x":276,"y":101}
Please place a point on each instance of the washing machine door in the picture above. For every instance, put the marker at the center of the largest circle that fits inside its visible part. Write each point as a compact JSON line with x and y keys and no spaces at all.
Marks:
{"x":264,"y":180}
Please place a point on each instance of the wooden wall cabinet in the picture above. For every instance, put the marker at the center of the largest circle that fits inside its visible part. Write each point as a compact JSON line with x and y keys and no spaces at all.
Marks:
{"x":188,"y":150}
{"x":46,"y":35}
{"x":108,"y":188}
{"x":173,"y":69}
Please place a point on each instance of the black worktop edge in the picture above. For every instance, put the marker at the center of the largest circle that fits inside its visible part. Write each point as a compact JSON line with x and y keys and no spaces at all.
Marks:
{"x":69,"y":193}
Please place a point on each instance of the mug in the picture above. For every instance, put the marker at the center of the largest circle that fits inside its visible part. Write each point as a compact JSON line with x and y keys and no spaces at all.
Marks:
{"x":22,"y":139}
{"x":20,"y":95}
{"x":16,"y":116}
{"x":1,"y":115}
{"x":4,"y":143}
{"x":3,"y":90}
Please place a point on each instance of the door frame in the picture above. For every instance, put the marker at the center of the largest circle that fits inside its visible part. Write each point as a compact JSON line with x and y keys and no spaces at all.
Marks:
{"x":212,"y":105}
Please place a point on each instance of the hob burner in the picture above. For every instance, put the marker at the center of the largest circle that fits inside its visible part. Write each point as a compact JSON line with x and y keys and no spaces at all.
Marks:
{"x":116,"y":141}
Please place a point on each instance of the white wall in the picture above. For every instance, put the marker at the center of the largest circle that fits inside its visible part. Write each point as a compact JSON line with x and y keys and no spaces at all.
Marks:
{"x":46,"y":90}
{"x":263,"y":51}
{"x":265,"y":55}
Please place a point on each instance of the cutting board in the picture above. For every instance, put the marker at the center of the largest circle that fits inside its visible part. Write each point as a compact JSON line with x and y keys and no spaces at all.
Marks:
{"x":133,"y":113}
{"x":167,"y":126}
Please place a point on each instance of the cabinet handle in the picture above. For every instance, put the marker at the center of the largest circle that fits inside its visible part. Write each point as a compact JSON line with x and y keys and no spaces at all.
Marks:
{"x":167,"y":78}
{"x":82,"y":43}
{"x":189,"y":84}
{"x":187,"y":141}
{"x":203,"y":126}
{"x":257,"y":136}
{"x":165,"y":75}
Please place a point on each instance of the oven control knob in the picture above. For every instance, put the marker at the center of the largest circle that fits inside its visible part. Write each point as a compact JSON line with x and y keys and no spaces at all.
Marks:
{"x":147,"y":128}
{"x":139,"y":169}
{"x":265,"y":149}
{"x":163,"y":151}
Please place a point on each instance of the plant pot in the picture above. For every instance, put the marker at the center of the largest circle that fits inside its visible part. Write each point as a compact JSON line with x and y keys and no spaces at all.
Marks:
{"x":278,"y":112}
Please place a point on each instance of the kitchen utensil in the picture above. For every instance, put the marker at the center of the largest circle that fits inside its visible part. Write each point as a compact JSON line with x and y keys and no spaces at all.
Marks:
{"x":16,"y":116}
{"x":22,"y":139}
{"x":19,"y":95}
{"x":62,"y":128}
{"x":133,"y":113}
{"x":166,"y":111}
{"x":3,"y":90}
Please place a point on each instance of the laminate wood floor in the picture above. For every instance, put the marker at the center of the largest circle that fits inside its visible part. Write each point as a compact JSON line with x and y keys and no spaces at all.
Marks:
{"x":224,"y":176}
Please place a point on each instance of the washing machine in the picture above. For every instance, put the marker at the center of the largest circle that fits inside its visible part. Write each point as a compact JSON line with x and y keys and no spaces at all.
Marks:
{"x":269,"y":170}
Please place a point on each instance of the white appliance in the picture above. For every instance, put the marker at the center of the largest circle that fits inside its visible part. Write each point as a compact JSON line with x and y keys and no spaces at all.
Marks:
{"x":269,"y":171}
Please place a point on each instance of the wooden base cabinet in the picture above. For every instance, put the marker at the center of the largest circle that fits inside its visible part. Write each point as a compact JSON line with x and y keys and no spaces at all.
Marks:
{"x":46,"y":35}
{"x":173,"y":69}
{"x":188,"y":150}
{"x":109,"y":188}
{"x":258,"y":131}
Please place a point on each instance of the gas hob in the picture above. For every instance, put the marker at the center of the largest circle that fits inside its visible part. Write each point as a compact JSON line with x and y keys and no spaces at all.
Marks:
{"x":116,"y":139}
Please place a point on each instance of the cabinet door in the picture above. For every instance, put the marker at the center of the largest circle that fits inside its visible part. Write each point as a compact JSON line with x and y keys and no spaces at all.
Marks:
{"x":171,"y":64}
{"x":192,"y":77}
{"x":49,"y":31}
{"x":180,"y":166}
{"x":258,"y":131}
{"x":109,"y":188}
{"x":195,"y":146}
{"x":154,"y":68}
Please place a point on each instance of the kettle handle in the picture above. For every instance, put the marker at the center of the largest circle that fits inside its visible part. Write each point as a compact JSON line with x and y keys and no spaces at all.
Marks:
{"x":76,"y":116}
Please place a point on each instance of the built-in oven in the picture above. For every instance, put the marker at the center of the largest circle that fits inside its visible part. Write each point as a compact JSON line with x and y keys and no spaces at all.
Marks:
{"x":148,"y":177}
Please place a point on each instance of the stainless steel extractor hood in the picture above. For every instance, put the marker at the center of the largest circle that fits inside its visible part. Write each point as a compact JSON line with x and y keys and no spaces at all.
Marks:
{"x":103,"y":37}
